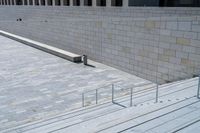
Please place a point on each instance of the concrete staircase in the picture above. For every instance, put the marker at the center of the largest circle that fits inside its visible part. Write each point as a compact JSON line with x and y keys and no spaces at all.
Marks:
{"x":177,"y":109}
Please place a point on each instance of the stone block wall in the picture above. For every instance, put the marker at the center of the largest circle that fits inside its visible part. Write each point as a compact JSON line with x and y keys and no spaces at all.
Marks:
{"x":158,"y":44}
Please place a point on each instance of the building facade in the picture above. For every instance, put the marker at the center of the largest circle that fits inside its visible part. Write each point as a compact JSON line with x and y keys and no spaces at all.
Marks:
{"x":161,"y":3}
{"x":161,"y":44}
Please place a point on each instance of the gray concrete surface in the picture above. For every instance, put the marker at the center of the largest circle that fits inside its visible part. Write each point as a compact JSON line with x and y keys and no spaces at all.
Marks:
{"x":35,"y":85}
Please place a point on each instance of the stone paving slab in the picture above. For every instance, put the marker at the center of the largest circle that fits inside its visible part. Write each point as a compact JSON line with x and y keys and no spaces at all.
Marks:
{"x":35,"y":85}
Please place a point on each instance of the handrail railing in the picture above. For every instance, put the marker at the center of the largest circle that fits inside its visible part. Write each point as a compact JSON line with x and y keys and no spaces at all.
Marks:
{"x":113,"y":91}
{"x":137,"y":86}
{"x":131,"y":98}
{"x":114,"y":88}
{"x":157,"y":92}
{"x":198,"y":90}
{"x":96,"y":92}
{"x":98,"y":88}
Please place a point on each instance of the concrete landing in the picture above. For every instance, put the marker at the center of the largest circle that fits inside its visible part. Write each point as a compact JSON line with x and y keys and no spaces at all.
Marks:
{"x":53,"y":50}
{"x":35,"y":85}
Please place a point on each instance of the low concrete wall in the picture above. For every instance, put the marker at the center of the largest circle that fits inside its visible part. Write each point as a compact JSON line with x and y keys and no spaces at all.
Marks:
{"x":154,"y":43}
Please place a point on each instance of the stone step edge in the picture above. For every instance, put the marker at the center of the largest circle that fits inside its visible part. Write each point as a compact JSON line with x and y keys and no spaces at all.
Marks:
{"x":44,"y":47}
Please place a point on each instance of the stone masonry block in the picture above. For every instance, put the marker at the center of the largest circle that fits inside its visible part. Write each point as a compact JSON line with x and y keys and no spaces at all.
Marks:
{"x":186,"y":62}
{"x":167,"y":39}
{"x":195,"y":43}
{"x":185,"y":26}
{"x":175,"y":60}
{"x":126,"y":49}
{"x":196,"y":28}
{"x":176,"y":33}
{"x":169,"y":52}
{"x":165,"y":32}
{"x":194,"y":57}
{"x":189,"y":49}
{"x":191,"y":35}
{"x":163,"y":58}
{"x":149,"y":24}
{"x":182,"y":41}
{"x":172,"y":25}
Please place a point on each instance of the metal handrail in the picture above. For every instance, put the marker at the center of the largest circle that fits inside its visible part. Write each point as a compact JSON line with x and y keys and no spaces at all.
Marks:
{"x":131,"y":98}
{"x":113,"y":92}
{"x":134,"y":86}
{"x":157,"y":92}
{"x":131,"y":92}
{"x":198,"y":90}
{"x":96,"y":92}
{"x":102,"y":86}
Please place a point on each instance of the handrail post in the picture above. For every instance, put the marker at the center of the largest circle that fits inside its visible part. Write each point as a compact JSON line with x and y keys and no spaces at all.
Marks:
{"x":157,"y":93}
{"x":198,"y":91}
{"x":83,"y":100}
{"x":112,"y":93}
{"x":131,"y":99}
{"x":96,"y":96}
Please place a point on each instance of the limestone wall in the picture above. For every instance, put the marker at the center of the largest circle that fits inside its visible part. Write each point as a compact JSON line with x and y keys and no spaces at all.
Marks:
{"x":151,"y":42}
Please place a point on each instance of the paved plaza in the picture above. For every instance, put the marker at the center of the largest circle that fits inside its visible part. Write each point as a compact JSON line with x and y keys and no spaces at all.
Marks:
{"x":35,"y":85}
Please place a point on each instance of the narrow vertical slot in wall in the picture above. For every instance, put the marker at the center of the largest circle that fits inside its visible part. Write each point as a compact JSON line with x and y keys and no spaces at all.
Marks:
{"x":116,"y":2}
{"x":18,"y":2}
{"x":43,"y":2}
{"x":25,"y":2}
{"x":30,"y":2}
{"x":37,"y":2}
{"x":66,"y":2}
{"x":76,"y":2}
{"x":88,"y":2}
{"x":101,"y":2}
{"x":57,"y":2}
{"x":50,"y":3}
{"x":8,"y":2}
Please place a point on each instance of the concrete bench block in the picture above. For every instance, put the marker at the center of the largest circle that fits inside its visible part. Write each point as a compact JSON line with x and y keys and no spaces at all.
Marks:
{"x":49,"y":49}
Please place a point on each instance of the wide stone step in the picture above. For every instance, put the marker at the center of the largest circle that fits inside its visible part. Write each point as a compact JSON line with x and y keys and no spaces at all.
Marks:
{"x":144,"y":101}
{"x":134,"y":124}
{"x":111,"y":119}
{"x":192,"y":127}
{"x":170,"y":121}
